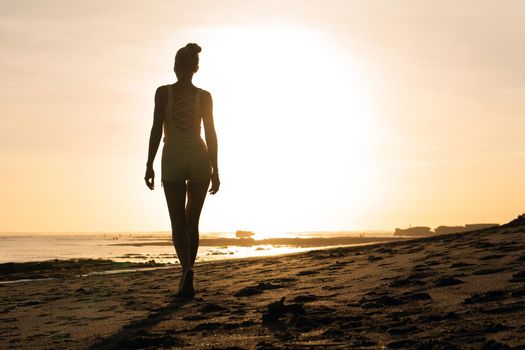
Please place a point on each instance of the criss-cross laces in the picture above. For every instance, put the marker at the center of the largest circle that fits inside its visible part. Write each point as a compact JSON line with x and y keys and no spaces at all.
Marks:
{"x":182,"y":111}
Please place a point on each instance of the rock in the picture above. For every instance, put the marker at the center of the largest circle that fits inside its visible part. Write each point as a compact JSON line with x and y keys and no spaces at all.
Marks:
{"x":278,"y":309}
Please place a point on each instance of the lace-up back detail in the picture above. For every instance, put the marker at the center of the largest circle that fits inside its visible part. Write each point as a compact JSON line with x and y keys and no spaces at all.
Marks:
{"x":182,"y":119}
{"x":182,"y":111}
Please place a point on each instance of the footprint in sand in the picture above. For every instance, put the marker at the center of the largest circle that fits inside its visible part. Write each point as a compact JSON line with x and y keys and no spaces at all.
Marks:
{"x":207,"y":326}
{"x":519,"y":293}
{"x":409,"y":297}
{"x":460,"y":265}
{"x":504,"y":309}
{"x":518,"y":277}
{"x":305,"y":298}
{"x":488,"y":271}
{"x":258,"y":289}
{"x":379,"y":302}
{"x":447,"y":281}
{"x":374,"y":258}
{"x":307,"y":272}
{"x":492,"y":257}
{"x":195,"y":318}
{"x":406,"y":282}
{"x":492,"y":295}
{"x":210,"y":307}
{"x":438,"y":317}
{"x":511,"y":246}
{"x":284,"y":279}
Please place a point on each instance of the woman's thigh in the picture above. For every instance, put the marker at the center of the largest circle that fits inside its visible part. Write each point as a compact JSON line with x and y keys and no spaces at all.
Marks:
{"x":175,"y":192}
{"x":196,"y":194}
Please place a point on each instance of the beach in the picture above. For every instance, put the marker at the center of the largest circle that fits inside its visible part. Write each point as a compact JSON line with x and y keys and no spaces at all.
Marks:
{"x":463,"y":290}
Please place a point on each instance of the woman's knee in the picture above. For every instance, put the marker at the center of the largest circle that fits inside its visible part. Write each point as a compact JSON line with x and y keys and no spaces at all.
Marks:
{"x":178,"y":229}
{"x":193,"y":232}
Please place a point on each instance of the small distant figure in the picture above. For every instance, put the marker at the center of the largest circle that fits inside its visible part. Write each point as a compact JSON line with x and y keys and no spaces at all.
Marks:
{"x":188,"y":164}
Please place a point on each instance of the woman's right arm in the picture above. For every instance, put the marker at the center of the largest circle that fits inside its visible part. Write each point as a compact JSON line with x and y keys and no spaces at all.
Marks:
{"x":155,"y":135}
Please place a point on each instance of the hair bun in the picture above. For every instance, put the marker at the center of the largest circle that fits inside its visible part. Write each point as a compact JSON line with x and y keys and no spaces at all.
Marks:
{"x":194,"y":48}
{"x":187,"y":58}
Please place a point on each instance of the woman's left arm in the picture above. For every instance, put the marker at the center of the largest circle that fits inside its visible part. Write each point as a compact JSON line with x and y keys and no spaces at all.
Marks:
{"x":211,"y":140}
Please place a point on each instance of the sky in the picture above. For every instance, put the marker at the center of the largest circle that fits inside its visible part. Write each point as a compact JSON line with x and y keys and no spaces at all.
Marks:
{"x":330,"y":115}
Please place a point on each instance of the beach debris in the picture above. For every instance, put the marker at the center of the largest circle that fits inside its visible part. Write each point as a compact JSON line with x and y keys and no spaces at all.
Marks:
{"x":278,"y":309}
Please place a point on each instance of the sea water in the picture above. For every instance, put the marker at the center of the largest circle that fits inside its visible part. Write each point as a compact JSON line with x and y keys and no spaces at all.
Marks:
{"x":41,"y":247}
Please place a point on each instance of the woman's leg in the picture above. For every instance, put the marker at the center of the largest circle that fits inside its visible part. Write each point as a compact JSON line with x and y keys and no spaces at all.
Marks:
{"x":175,"y":192}
{"x":196,"y":195}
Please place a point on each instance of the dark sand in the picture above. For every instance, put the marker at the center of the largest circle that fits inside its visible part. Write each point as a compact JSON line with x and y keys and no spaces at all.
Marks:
{"x":456,"y":291}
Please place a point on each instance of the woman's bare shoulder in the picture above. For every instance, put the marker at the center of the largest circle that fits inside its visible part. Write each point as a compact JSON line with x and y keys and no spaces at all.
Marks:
{"x":205,"y":94}
{"x":162,"y":88}
{"x":161,"y":93}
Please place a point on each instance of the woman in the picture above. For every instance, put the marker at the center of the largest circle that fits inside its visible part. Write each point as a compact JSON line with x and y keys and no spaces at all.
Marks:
{"x":188,"y":163}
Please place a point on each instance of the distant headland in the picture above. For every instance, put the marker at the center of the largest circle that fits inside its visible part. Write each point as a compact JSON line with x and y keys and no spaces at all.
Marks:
{"x":424,"y":231}
{"x":419,"y":231}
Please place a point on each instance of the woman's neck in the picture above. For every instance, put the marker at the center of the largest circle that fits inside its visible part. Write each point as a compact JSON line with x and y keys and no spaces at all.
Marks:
{"x":184,"y":81}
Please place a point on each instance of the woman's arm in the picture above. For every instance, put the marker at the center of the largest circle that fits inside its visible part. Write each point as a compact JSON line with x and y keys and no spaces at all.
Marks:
{"x":211,"y":140}
{"x":155,"y":135}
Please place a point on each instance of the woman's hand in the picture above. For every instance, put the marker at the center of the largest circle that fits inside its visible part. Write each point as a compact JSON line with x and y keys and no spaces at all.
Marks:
{"x":215,"y":183}
{"x":150,"y":178}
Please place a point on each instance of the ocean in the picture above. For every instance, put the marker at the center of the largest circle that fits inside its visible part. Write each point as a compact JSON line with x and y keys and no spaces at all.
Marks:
{"x":40,"y":247}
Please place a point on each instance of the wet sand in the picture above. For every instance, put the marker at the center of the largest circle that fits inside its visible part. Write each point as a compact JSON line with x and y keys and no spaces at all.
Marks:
{"x":454,"y":291}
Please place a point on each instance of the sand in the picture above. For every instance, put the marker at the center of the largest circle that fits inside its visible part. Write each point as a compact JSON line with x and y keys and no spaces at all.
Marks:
{"x":455,"y":291}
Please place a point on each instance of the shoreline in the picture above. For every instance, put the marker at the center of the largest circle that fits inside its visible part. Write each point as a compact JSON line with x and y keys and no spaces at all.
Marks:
{"x":32,"y":249}
{"x":86,"y":267}
{"x":291,"y":242}
{"x":463,"y":290}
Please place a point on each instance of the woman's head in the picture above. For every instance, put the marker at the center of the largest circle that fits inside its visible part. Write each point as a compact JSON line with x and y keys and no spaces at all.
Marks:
{"x":187,"y":59}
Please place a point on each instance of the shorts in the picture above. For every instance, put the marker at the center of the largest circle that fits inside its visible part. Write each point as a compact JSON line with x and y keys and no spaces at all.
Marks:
{"x":185,"y":163}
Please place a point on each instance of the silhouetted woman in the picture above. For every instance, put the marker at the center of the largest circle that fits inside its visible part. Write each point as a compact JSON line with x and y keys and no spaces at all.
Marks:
{"x":188,"y":163}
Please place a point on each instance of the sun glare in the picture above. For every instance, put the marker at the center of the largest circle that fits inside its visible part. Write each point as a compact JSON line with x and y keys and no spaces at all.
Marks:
{"x":291,"y":114}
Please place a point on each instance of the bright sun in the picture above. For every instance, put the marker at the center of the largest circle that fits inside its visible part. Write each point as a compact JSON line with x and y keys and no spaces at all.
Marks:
{"x":292,"y":124}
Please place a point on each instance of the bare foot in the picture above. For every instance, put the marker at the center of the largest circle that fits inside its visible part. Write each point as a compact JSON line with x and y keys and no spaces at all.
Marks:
{"x":187,"y":286}
{"x":181,"y":283}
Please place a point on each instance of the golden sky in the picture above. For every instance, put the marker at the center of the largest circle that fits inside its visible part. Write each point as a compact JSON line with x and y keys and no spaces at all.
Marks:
{"x":331,"y":115}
